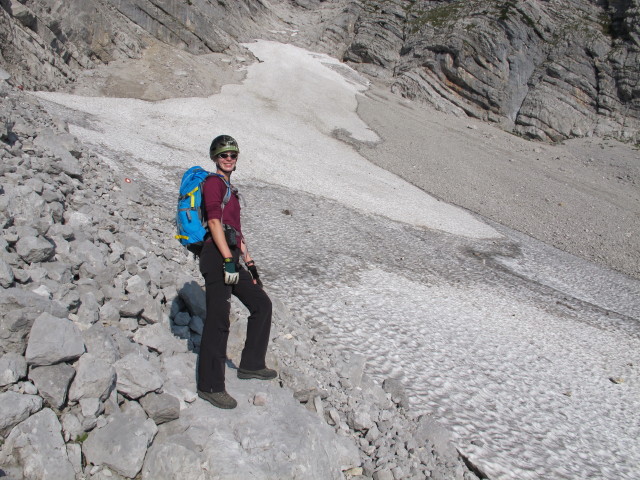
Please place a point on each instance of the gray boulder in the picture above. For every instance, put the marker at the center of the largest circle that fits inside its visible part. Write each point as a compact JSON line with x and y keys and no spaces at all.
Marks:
{"x":250,"y":439}
{"x":89,"y":256}
{"x":52,"y":382}
{"x":6,"y":274}
{"x":18,"y":310}
{"x":89,"y":310}
{"x":137,"y":286}
{"x":196,"y":325}
{"x":55,"y":144}
{"x":95,"y":378}
{"x":397,"y":391}
{"x":59,"y":272}
{"x":179,"y":371}
{"x":152,"y":310}
{"x":429,"y":430}
{"x":158,"y":337}
{"x":162,"y":276}
{"x":35,"y":249}
{"x":110,"y":312}
{"x":13,"y":367}
{"x":161,"y":407}
{"x":71,"y":426}
{"x":182,"y":319}
{"x":25,"y":206}
{"x":136,"y":376}
{"x":352,"y":369}
{"x":193,"y":296}
{"x":132,"y":307}
{"x":99,"y":342}
{"x":170,"y":459}
{"x":37,"y":447}
{"x":53,"y":340}
{"x":15,"y":407}
{"x":120,"y":445}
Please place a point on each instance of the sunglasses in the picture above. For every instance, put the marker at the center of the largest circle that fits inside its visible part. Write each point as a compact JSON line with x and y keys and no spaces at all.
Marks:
{"x":227,"y":155}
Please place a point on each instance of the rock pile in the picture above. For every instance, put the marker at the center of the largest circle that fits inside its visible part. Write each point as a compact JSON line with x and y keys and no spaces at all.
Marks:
{"x":100,"y":323}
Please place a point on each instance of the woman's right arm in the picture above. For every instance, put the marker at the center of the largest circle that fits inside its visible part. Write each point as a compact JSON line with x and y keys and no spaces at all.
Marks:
{"x":217,"y":233}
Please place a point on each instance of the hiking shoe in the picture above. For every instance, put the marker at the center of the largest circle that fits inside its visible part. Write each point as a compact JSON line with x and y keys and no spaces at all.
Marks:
{"x":262,"y":374}
{"x":218,"y":399}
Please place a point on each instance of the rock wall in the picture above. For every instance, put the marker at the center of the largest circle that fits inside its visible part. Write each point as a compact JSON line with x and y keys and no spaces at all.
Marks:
{"x":43,"y":43}
{"x":548,"y":70}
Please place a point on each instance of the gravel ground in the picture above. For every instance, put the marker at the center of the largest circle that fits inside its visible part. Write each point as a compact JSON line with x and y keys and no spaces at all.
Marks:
{"x":581,"y":196}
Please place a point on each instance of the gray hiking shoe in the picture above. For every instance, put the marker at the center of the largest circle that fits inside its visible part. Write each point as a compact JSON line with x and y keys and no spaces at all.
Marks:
{"x":263,"y":374}
{"x":218,"y":399}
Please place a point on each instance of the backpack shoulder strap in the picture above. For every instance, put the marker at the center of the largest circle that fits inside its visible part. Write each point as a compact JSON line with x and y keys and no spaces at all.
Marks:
{"x":227,"y":195}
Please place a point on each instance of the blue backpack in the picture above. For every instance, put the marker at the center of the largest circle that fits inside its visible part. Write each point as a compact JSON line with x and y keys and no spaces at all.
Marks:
{"x":192,"y":228}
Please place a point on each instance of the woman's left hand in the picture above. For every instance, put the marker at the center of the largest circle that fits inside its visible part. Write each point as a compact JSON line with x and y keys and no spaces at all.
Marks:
{"x":253,"y":270}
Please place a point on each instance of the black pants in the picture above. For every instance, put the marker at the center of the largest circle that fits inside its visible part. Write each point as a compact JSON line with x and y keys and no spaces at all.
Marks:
{"x":213,"y":346}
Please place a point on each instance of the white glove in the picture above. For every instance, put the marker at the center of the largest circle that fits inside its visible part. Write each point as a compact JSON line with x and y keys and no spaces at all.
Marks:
{"x":231,"y":276}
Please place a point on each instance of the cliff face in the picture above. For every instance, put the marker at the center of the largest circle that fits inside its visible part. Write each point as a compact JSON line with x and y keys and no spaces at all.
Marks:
{"x":545,"y":69}
{"x":43,"y":43}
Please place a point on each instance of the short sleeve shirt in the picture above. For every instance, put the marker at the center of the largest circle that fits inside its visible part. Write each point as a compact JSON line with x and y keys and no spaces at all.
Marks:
{"x":213,"y":191}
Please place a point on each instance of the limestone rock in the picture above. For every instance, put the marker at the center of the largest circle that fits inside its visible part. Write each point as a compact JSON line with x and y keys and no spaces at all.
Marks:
{"x":428,"y":429}
{"x":37,"y":447}
{"x":35,"y":249}
{"x":120,"y":445}
{"x":192,"y":295}
{"x":13,"y":367}
{"x":6,"y":274}
{"x":249,"y":447}
{"x":159,"y":338}
{"x":172,"y":460}
{"x":53,"y":340}
{"x":137,"y":376}
{"x":53,"y":383}
{"x":95,"y":378}
{"x":89,"y":310}
{"x":152,"y":310}
{"x":71,"y":426}
{"x":15,"y":407}
{"x":18,"y":310}
{"x":161,"y":407}
{"x":397,"y":391}
{"x":136,"y":285}
{"x":99,"y":342}
{"x":521,"y":64}
{"x":182,"y":319}
{"x":196,"y":324}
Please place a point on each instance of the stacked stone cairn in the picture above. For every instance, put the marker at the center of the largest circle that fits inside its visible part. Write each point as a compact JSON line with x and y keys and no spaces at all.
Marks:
{"x":101,"y":314}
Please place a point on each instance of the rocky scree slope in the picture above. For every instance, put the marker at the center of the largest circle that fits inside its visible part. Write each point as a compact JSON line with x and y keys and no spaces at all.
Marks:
{"x":100,"y":323}
{"x":545,"y":69}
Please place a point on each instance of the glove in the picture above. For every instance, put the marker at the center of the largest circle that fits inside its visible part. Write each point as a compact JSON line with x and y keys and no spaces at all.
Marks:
{"x":251,"y":266}
{"x":231,"y":276}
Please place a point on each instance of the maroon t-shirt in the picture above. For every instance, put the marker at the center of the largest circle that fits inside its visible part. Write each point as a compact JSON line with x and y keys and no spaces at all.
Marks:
{"x":213,"y":192}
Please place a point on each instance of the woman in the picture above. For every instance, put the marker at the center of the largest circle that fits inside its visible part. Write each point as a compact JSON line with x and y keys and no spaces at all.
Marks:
{"x":223,"y":275}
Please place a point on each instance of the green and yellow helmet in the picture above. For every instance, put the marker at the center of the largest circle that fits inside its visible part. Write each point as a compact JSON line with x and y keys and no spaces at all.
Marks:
{"x":221,"y":144}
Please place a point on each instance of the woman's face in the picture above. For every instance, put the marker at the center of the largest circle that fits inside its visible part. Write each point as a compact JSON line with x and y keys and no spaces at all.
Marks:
{"x":226,"y":161}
